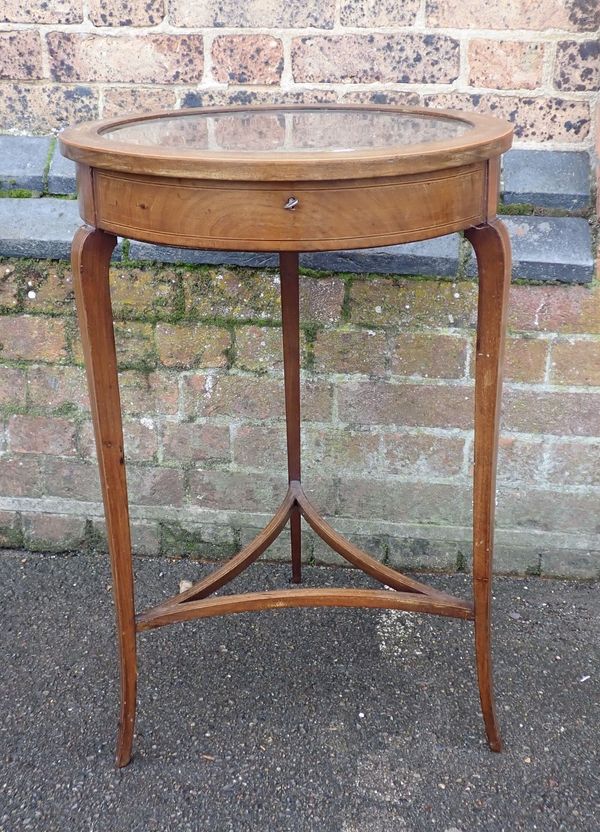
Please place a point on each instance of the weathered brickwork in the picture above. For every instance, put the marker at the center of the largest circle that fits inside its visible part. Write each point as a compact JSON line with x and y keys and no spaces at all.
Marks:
{"x":535,"y":63}
{"x":387,"y":383}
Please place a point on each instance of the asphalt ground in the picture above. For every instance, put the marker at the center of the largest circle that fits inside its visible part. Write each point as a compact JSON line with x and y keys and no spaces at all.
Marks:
{"x":323,"y":720}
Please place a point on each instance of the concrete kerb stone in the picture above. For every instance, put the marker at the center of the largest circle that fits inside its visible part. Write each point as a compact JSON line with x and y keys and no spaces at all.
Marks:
{"x":547,"y":178}
{"x":23,"y":162}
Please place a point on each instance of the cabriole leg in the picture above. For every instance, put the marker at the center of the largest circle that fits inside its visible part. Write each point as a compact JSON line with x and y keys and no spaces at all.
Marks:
{"x":492,"y":249}
{"x":90,"y":254}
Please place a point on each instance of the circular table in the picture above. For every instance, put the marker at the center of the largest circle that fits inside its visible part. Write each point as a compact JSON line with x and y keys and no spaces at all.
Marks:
{"x":289,"y":179}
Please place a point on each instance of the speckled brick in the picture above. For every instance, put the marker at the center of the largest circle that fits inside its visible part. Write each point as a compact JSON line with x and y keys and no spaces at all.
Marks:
{"x":144,"y":394}
{"x":364,"y":59}
{"x":505,"y":64}
{"x":126,"y":12}
{"x":139,"y":59}
{"x":247,"y":59}
{"x":71,"y":479}
{"x":143,"y":293}
{"x":578,"y":66}
{"x":49,"y":289}
{"x":195,"y":345}
{"x":378,"y":12}
{"x":122,"y":101}
{"x":9,"y":287}
{"x":20,"y":55}
{"x":564,"y":309}
{"x":519,"y":460}
{"x":21,"y":476}
{"x":255,"y":13}
{"x":44,"y":108}
{"x":562,"y":414}
{"x":406,"y":501}
{"x":570,"y":15}
{"x":32,"y":338}
{"x":41,"y":11}
{"x":536,"y":118}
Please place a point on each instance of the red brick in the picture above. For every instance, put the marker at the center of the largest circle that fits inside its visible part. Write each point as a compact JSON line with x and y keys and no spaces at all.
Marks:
{"x":550,"y":511}
{"x":535,"y":118}
{"x":365,"y":59}
{"x":71,"y":479}
{"x":406,"y":404}
{"x":13,"y":386}
{"x":251,"y":398}
{"x":577,"y":65}
{"x":569,"y":414}
{"x":9,"y":287}
{"x":51,"y":287}
{"x":139,"y":59}
{"x":341,"y":450}
{"x":141,"y":440}
{"x":155,"y":486}
{"x":121,"y":101}
{"x":576,"y":362}
{"x":520,"y":14}
{"x":260,"y":446}
{"x":149,"y":394}
{"x":525,"y":359}
{"x":145,"y":537}
{"x":362,"y":351}
{"x":32,"y":338}
{"x":21,"y":477}
{"x":237,"y":491}
{"x":57,"y":387}
{"x":245,"y":293}
{"x":505,"y":64}
{"x":413,"y":303}
{"x":422,"y":455}
{"x":247,"y":59}
{"x":574,"y":463}
{"x":53,"y":532}
{"x":11,"y":536}
{"x":275,"y":13}
{"x":141,"y":293}
{"x":192,"y":345}
{"x":41,"y":11}
{"x":378,"y":12}
{"x":21,"y":55}
{"x":40,"y":435}
{"x":258,"y":348}
{"x":405,"y":502}
{"x":134,"y":341}
{"x":321,"y":300}
{"x":519,"y":460}
{"x":563,"y":309}
{"x":428,"y":355}
{"x":45,"y":108}
{"x":186,"y":442}
{"x":126,"y":12}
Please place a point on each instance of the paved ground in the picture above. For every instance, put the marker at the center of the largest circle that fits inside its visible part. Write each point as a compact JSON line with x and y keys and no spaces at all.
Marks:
{"x":316,"y":720}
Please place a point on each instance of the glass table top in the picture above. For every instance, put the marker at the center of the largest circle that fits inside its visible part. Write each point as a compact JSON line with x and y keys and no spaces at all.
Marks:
{"x":289,"y":130}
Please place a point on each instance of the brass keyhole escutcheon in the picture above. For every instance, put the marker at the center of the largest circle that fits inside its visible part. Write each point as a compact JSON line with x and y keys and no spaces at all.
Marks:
{"x":291,"y":203}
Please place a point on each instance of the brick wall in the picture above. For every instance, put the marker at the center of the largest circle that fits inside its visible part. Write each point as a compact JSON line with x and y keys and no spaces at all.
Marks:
{"x":387,"y":410}
{"x":535,"y":63}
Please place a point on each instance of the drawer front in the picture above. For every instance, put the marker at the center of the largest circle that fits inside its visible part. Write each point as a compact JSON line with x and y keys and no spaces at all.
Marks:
{"x":319,"y":216}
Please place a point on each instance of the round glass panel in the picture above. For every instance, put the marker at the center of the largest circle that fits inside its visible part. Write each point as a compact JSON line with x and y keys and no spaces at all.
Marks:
{"x":289,"y":130}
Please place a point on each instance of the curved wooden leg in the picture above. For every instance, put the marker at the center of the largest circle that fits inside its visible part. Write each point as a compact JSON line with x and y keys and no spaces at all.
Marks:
{"x":290,"y":316}
{"x":90,"y":255}
{"x":492,"y":248}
